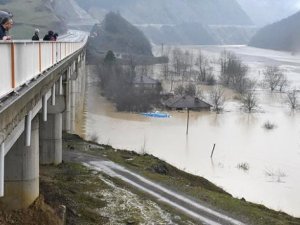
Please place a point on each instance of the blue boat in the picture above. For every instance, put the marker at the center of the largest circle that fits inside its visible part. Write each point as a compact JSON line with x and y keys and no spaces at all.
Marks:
{"x":156,"y":114}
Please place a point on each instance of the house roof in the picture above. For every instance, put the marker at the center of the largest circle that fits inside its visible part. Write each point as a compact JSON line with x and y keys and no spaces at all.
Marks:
{"x":138,"y":79}
{"x":186,"y":102}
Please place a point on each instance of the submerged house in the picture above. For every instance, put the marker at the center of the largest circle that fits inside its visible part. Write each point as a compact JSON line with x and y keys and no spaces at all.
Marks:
{"x":186,"y":102}
{"x":146,"y":84}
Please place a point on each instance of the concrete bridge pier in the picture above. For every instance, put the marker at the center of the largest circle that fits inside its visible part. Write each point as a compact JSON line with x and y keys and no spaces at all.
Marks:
{"x":21,"y":186}
{"x":51,"y":130}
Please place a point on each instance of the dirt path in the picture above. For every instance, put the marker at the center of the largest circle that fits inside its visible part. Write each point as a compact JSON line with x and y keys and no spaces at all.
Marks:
{"x":189,"y":207}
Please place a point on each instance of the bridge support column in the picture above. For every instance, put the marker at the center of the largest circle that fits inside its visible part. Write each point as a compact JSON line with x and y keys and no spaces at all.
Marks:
{"x":73,"y":106}
{"x":22,"y":171}
{"x":51,"y":140}
{"x":67,"y":93}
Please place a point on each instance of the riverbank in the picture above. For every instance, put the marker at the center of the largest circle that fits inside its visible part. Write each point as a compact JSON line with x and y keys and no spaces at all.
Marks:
{"x":196,"y":188}
{"x":93,"y":196}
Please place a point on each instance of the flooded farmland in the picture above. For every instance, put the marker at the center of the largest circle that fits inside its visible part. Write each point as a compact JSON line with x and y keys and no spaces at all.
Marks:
{"x":249,"y":161}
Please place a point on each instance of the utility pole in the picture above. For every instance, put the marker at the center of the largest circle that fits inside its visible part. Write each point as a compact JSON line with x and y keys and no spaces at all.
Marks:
{"x":188,"y":121}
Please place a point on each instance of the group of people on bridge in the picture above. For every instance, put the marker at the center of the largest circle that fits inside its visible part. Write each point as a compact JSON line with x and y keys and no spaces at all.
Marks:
{"x":51,"y":36}
{"x":7,"y":23}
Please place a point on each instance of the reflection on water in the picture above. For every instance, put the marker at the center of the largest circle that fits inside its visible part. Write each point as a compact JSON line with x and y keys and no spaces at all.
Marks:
{"x":273,"y":156}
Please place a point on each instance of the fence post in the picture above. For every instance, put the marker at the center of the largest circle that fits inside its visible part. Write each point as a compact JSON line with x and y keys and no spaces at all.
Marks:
{"x":12,"y":58}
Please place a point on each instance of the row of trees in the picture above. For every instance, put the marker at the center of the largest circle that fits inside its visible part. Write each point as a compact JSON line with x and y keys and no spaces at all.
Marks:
{"x":195,"y":69}
{"x":117,"y":83}
{"x":248,"y":99}
{"x":186,"y":66}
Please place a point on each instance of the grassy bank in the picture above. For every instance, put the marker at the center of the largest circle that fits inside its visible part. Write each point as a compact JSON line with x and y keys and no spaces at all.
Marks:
{"x":196,"y":187}
{"x":93,"y":198}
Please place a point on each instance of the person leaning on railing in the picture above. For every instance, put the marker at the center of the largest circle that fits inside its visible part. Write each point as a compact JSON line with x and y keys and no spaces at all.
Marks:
{"x":5,"y":26}
{"x":36,"y":36}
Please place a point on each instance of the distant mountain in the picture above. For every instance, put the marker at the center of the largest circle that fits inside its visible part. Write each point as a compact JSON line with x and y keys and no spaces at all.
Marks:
{"x":214,"y":12}
{"x":180,"y":21}
{"x":264,"y":12}
{"x":187,"y":33}
{"x":198,"y":34}
{"x":117,"y":34}
{"x":72,"y":14}
{"x":283,"y":35}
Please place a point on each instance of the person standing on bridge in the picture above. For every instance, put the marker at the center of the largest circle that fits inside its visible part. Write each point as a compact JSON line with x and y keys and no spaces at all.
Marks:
{"x":36,"y":35}
{"x":49,"y":36}
{"x":5,"y":26}
{"x":55,"y":36}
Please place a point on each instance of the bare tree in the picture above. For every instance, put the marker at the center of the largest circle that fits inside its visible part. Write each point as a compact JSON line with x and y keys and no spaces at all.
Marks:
{"x":165,"y":70}
{"x":179,"y":90}
{"x":217,"y":98}
{"x":274,"y":77}
{"x":190,"y":89}
{"x":284,"y":83}
{"x":233,"y":72}
{"x":292,"y":99}
{"x":165,"y":67}
{"x":189,"y":63}
{"x":249,"y":100}
{"x":177,"y":62}
{"x":203,"y":66}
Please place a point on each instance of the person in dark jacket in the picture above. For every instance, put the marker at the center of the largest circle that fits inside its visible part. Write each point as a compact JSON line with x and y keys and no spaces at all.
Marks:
{"x":36,"y":37}
{"x":49,"y":36}
{"x":55,"y":36}
{"x":5,"y":26}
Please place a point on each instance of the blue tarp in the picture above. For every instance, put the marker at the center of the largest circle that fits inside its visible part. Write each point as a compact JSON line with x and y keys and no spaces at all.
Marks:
{"x":156,"y":114}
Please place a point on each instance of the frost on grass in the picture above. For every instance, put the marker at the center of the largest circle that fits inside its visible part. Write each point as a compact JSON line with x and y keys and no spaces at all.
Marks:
{"x":125,"y":207}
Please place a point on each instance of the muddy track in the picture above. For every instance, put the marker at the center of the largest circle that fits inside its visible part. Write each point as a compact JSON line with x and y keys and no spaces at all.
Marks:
{"x":190,"y":207}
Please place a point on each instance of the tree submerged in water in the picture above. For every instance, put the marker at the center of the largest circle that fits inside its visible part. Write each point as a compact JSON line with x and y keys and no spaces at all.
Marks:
{"x":129,"y":90}
{"x":110,"y":58}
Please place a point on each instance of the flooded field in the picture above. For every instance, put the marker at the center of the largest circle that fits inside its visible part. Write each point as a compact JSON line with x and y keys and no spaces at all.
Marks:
{"x":259,"y":165}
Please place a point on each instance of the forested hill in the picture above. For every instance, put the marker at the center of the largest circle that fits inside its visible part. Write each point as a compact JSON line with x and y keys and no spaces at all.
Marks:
{"x":283,"y":35}
{"x":117,"y":34}
{"x":265,"y":12}
{"x":216,"y":12}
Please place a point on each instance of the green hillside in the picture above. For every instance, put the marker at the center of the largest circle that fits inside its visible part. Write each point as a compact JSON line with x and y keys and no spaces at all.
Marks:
{"x":32,"y":14}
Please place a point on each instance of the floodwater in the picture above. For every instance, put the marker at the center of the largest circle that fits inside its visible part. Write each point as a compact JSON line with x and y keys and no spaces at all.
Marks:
{"x":271,"y":176}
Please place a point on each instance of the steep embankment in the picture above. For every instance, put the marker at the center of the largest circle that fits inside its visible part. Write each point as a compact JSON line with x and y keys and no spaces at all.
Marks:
{"x":118,"y":35}
{"x":179,"y":21}
{"x":32,"y":14}
{"x":283,"y":35}
{"x":72,"y":14}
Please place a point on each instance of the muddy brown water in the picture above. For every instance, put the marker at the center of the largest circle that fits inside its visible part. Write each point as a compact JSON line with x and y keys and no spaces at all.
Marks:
{"x":272,"y":156}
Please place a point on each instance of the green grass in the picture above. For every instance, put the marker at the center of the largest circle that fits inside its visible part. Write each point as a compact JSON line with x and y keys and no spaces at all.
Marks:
{"x":67,"y":185}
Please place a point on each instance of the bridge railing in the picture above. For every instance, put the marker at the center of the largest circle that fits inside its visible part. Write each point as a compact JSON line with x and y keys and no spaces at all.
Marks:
{"x":21,"y":61}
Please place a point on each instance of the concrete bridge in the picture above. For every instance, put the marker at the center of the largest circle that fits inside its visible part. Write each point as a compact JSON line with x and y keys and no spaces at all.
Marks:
{"x":41,"y":90}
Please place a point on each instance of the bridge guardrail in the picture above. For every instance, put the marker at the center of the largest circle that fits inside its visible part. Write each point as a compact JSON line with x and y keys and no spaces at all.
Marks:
{"x":21,"y":61}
